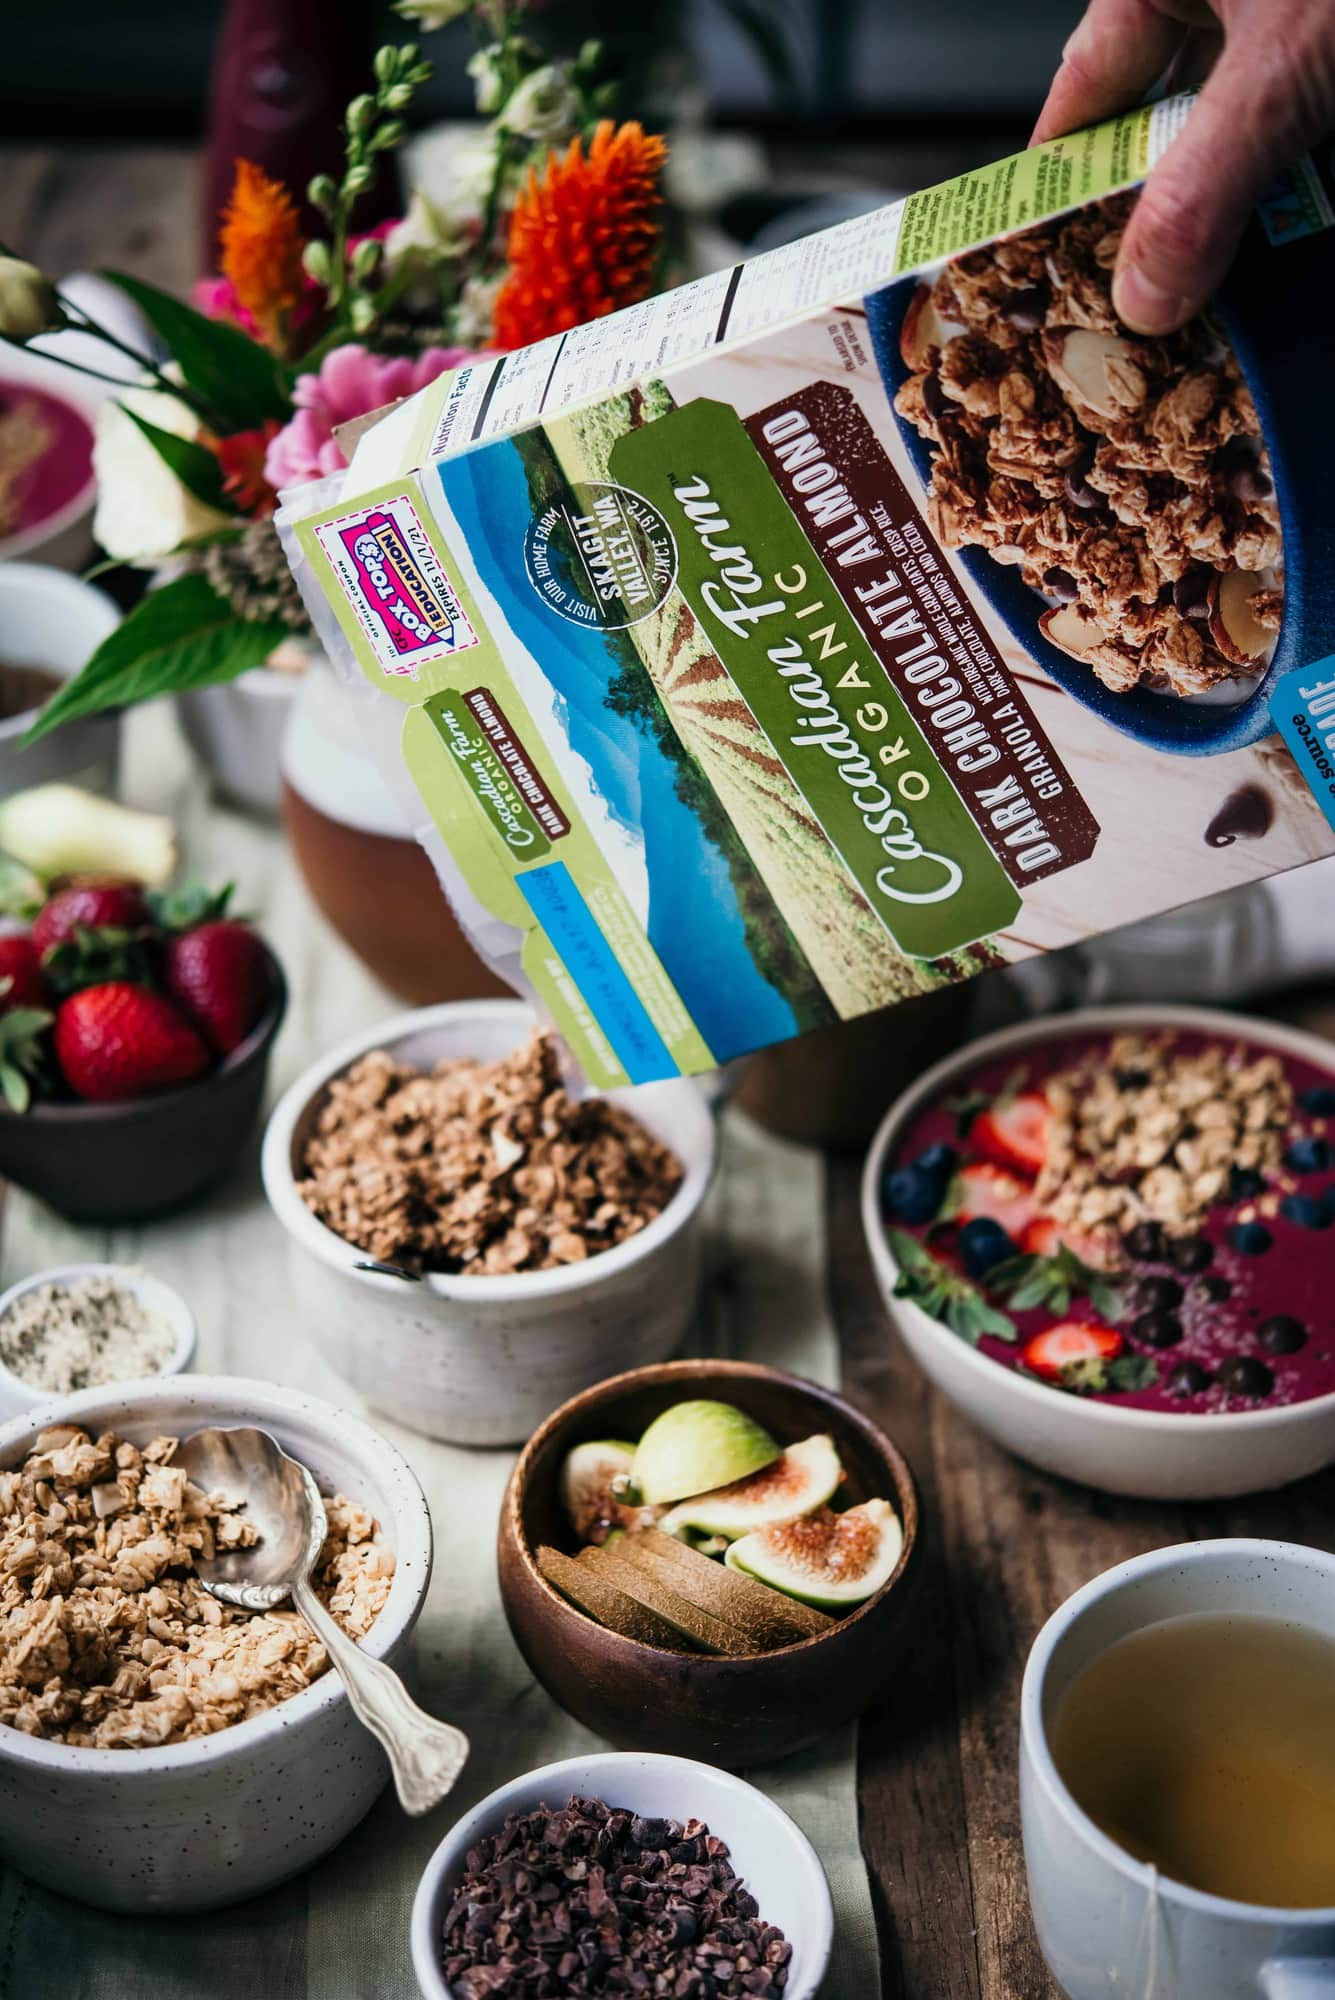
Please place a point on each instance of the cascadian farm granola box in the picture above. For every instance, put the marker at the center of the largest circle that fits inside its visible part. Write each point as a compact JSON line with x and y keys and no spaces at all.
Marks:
{"x":857,"y":619}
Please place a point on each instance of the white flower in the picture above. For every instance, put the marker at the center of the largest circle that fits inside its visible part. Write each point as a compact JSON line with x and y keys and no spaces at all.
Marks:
{"x":431,"y":14}
{"x":476,"y":311}
{"x":425,"y":236}
{"x":28,"y":303}
{"x":544,"y":107}
{"x":488,"y":84}
{"x":143,"y":511}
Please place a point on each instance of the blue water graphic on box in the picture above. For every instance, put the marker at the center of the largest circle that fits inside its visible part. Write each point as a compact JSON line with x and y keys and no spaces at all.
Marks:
{"x":694,"y":922}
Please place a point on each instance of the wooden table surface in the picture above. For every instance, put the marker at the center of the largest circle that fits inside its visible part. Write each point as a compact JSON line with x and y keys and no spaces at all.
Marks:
{"x":1005,"y":1545}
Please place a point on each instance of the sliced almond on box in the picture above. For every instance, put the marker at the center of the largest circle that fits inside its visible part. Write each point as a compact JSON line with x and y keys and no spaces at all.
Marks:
{"x":1096,"y":370}
{"x":921,"y":329}
{"x":1232,"y":622}
{"x":1071,"y":627}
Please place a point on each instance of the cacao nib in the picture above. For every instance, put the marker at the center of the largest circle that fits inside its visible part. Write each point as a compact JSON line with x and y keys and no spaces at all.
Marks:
{"x":588,"y":1899}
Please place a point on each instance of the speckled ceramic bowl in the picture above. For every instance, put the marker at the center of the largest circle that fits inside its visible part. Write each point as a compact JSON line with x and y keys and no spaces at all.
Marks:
{"x":211,"y":1821}
{"x":17,"y":1394}
{"x":482,"y":1360}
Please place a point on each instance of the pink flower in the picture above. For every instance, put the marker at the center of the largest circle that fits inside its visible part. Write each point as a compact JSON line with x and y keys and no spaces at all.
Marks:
{"x":216,"y":298}
{"x":351,"y":382}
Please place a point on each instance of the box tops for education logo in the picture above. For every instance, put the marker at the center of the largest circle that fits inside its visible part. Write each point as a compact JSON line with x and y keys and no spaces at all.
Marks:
{"x":394,"y":581}
{"x":604,"y":557}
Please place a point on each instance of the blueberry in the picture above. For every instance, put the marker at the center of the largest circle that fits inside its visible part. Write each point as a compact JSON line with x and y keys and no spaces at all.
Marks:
{"x":1306,"y":1211}
{"x":1188,"y":1379}
{"x":1253,"y":1239}
{"x":1157,"y":1329}
{"x":938,"y":1161}
{"x":1282,"y":1334}
{"x":1319,"y":1102}
{"x":1244,"y":1375}
{"x":1158,"y":1294}
{"x":1213,"y":1287}
{"x":984,"y":1243}
{"x":1191,"y":1253}
{"x":911,"y":1195}
{"x":1308,"y":1156}
{"x":1244,"y":1184}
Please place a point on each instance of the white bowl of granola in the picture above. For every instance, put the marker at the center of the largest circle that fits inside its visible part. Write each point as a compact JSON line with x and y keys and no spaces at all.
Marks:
{"x":159,"y":1752}
{"x":1107,"y":1238}
{"x":574,"y":1230}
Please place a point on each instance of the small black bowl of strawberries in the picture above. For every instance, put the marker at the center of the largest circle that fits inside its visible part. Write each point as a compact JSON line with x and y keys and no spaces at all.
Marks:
{"x":135,"y":1032}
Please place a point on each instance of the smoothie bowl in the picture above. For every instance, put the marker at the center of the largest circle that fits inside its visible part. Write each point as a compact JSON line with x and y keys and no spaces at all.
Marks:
{"x":1123,"y":503}
{"x":1108,"y":1239}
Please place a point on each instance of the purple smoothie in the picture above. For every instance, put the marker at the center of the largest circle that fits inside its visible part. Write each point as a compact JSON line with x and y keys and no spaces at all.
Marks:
{"x":1227,"y":1309}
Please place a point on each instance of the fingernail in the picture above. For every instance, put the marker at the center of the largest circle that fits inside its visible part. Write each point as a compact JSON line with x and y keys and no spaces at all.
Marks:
{"x":1145,"y":306}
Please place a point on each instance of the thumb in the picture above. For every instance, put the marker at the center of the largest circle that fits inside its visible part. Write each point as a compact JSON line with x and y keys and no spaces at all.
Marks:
{"x":1194,"y":207}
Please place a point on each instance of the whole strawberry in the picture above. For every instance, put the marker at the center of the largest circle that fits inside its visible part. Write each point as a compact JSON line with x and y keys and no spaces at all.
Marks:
{"x":91,"y":905}
{"x":120,"y":1040}
{"x":218,"y":975}
{"x":21,"y":966}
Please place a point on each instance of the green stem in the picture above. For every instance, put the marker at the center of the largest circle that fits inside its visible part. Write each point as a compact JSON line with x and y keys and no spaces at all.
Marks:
{"x":83,"y":322}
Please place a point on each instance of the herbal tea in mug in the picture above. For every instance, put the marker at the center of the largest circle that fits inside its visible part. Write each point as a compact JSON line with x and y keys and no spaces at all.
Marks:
{"x":1206,"y":1745}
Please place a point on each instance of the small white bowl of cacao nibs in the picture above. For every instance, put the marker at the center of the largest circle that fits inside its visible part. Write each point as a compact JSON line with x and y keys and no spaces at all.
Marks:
{"x":472,"y":1242}
{"x":83,"y":1326}
{"x":671,"y":1875}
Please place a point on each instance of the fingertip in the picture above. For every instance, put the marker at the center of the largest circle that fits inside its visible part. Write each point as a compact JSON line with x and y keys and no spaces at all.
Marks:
{"x":1146,"y":305}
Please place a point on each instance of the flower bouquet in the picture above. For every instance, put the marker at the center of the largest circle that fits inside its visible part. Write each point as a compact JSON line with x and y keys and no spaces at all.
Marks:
{"x":247,"y":387}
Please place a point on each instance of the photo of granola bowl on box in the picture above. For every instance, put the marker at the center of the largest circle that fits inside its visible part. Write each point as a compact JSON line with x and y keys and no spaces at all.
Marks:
{"x":159,"y":1750}
{"x":1126,"y":504}
{"x":1108,"y":1239}
{"x":469,"y":1241}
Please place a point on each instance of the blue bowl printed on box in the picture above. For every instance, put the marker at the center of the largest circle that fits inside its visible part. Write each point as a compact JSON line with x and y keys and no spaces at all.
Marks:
{"x":1274,"y":309}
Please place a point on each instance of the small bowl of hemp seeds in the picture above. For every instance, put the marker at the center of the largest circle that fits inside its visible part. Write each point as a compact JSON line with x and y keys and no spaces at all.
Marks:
{"x":82,"y":1326}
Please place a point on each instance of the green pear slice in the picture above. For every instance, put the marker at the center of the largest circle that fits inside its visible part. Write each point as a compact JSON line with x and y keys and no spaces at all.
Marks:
{"x":797,"y":1482}
{"x":826,"y":1559}
{"x":696,"y":1446}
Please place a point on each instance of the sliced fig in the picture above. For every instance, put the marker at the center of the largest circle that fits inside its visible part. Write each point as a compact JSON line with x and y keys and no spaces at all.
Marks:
{"x":1234,"y":627}
{"x":1070,"y":627}
{"x":597,"y":1493}
{"x":1097,"y":371}
{"x":694,"y":1447}
{"x":799,"y":1480}
{"x":921,"y":329}
{"x":826,"y":1559}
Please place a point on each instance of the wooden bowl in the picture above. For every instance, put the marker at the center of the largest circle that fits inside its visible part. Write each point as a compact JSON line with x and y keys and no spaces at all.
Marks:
{"x":726,"y":1711}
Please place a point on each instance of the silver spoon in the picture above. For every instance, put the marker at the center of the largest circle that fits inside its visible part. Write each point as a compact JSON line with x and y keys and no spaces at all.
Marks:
{"x":282,"y":1500}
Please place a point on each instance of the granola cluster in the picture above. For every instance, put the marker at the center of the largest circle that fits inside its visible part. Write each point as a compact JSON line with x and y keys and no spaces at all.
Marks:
{"x":1125,"y":477}
{"x":1153,"y":1134}
{"x":480,"y":1167}
{"x":107,"y":1637}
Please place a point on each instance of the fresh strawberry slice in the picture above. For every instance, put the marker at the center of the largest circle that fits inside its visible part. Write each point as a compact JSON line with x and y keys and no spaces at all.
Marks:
{"x":985,"y":1189}
{"x":1041,"y":1237}
{"x":1073,"y":1346}
{"x":1014,"y":1132}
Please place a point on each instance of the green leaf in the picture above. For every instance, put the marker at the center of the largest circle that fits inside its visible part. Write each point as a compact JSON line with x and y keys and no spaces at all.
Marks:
{"x":235,"y":376}
{"x":1026,"y":1282}
{"x":1133,"y":1371}
{"x":188,"y":905}
{"x":194,"y":464}
{"x":21,"y":1052}
{"x":15,"y":1086}
{"x":182,"y":636}
{"x":944,"y":1294}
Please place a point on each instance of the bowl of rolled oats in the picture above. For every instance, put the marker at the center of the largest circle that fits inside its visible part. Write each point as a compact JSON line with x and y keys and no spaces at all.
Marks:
{"x":1117,"y":499}
{"x":469,"y":1241}
{"x":1106,"y":1238}
{"x":161,"y":1751}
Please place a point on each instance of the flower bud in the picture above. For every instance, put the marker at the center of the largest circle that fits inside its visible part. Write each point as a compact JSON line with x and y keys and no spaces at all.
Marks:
{"x":322,"y":193}
{"x":388,"y":136}
{"x":386,"y":64}
{"x":357,"y":179}
{"x":28,"y":302}
{"x":398,"y":97}
{"x":316,"y":264}
{"x":366,"y":257}
{"x":361,"y":116}
{"x":361,"y":312}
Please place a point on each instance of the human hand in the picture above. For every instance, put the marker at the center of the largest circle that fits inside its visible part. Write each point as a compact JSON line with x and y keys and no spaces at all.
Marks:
{"x":1269,"y":94}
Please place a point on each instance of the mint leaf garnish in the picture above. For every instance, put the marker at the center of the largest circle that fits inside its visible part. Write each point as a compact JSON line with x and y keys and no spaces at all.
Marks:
{"x":1053,"y":1282}
{"x":945,"y":1295}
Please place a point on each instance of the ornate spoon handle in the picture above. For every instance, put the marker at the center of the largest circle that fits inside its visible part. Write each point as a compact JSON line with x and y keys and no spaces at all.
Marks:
{"x":425,"y":1756}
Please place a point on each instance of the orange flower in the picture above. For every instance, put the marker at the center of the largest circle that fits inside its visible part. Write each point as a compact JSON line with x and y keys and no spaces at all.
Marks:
{"x":241,"y":457}
{"x":583,"y":237}
{"x":261,"y":249}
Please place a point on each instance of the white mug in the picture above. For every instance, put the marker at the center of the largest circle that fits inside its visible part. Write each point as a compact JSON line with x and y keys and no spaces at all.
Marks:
{"x":1111,"y":1927}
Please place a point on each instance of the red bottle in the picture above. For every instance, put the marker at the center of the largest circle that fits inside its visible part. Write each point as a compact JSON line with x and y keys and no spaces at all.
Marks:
{"x":283,"y":73}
